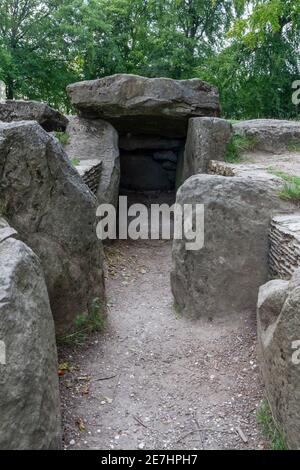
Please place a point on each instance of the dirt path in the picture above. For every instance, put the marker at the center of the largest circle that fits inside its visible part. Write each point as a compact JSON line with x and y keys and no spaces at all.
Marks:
{"x":171,"y":383}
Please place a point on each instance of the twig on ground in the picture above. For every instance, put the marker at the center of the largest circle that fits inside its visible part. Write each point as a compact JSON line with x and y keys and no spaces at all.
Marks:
{"x":199,"y":430}
{"x":104,"y":378}
{"x":241,"y":435}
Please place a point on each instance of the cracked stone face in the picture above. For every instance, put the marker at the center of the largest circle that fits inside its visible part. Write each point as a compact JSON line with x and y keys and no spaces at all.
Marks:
{"x":46,"y":201}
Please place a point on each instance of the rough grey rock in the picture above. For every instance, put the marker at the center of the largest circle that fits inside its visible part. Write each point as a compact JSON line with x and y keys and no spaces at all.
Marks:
{"x":270,"y":135}
{"x":140,"y":142}
{"x":207,"y":139}
{"x":97,"y":140}
{"x":29,"y":395}
{"x":17,"y":110}
{"x":45,"y":200}
{"x":139,"y":105}
{"x":142,"y":173}
{"x":284,"y":253}
{"x":224,"y":276}
{"x":90,"y":171}
{"x":278,"y":323}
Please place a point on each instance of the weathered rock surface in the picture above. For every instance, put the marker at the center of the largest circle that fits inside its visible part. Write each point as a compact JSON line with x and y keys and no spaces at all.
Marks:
{"x":224,"y":276}
{"x":29,"y":395}
{"x":98,"y":141}
{"x":139,"y":105}
{"x":90,"y":172}
{"x":284,"y":254}
{"x":142,"y":173}
{"x":47,"y":117}
{"x":278,"y":337}
{"x":45,"y":200}
{"x":207,"y":139}
{"x":270,"y":135}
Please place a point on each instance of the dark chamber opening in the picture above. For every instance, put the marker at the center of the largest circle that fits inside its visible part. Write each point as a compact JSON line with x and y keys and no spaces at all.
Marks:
{"x":150,"y":163}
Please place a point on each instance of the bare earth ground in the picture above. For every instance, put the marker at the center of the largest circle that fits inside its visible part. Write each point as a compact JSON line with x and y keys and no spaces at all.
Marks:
{"x":153,"y":380}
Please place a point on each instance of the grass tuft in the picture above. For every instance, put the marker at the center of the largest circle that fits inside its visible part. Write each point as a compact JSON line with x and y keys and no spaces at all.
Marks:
{"x":75,"y":161}
{"x":294,"y":146}
{"x":63,"y":137}
{"x":84,"y":325}
{"x":177,"y":310}
{"x":270,"y":430}
{"x":291,"y":189}
{"x":238,"y":144}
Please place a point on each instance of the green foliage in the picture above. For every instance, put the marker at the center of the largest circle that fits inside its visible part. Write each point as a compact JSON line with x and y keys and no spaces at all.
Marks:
{"x":238,"y":144}
{"x":177,"y":310}
{"x":75,"y":161}
{"x":86,"y":324}
{"x":294,"y":146}
{"x":249,"y":49}
{"x":256,"y":70}
{"x":271,"y":432}
{"x":63,"y":137}
{"x":291,"y":189}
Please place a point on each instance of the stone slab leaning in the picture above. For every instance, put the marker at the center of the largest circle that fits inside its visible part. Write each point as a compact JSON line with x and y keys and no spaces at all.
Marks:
{"x":19,"y":110}
{"x":29,"y":395}
{"x":45,"y":200}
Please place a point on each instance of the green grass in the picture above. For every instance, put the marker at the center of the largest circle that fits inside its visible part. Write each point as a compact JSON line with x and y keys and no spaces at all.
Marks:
{"x":291,"y":189}
{"x":63,"y":137}
{"x":269,"y":428}
{"x":238,"y":144}
{"x":177,"y":310}
{"x":86,"y":324}
{"x":294,"y":146}
{"x":75,"y":161}
{"x":233,"y":121}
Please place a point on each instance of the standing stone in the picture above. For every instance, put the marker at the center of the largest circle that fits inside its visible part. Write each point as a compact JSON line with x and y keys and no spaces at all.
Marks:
{"x":224,"y":276}
{"x":17,"y":110}
{"x":54,"y":212}
{"x":29,"y":395}
{"x":96,"y":141}
{"x":139,"y":105}
{"x":278,"y":322}
{"x":207,"y":140}
{"x":270,"y":135}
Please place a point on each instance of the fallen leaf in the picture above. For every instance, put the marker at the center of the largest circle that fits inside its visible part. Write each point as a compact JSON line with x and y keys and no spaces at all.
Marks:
{"x":81,"y":425}
{"x":108,"y":400}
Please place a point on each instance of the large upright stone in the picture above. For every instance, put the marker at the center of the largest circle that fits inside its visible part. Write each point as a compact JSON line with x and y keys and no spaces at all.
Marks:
{"x":45,"y":200}
{"x":47,"y":117}
{"x":207,"y":139}
{"x":139,"y":105}
{"x":224,"y":276}
{"x":278,"y":321}
{"x":29,"y":395}
{"x":97,"y":141}
{"x":270,"y":135}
